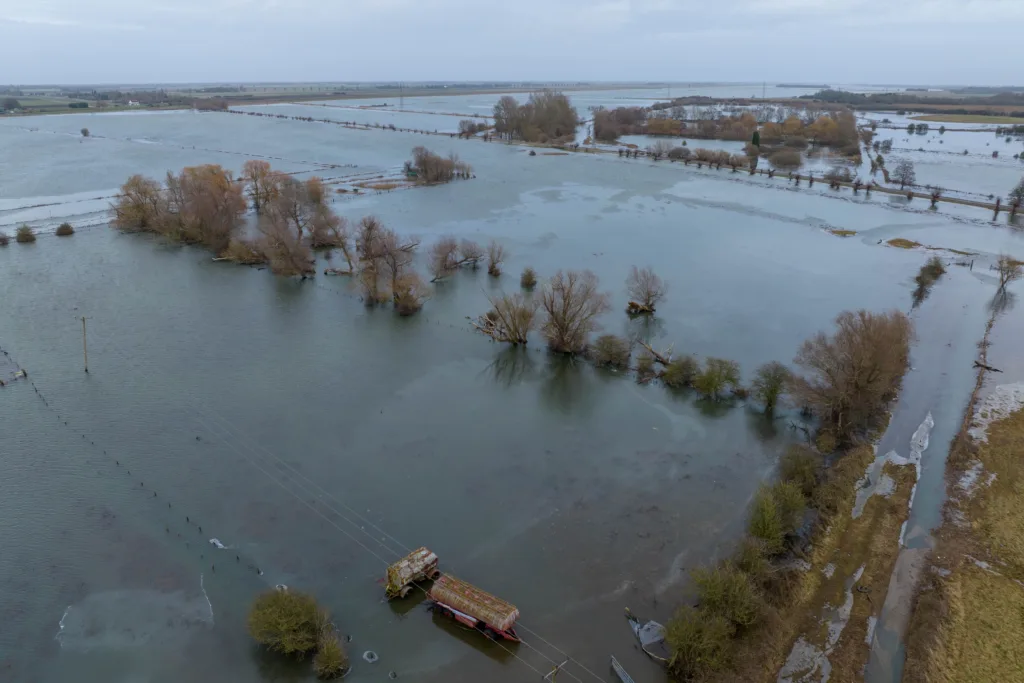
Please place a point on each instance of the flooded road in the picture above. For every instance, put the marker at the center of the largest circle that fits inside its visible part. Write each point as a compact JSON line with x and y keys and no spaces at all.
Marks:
{"x":317,"y":440}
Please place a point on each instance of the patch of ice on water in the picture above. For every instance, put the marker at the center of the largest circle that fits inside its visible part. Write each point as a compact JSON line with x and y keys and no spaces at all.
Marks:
{"x":878,"y":483}
{"x":872,"y":622}
{"x":1004,"y":400}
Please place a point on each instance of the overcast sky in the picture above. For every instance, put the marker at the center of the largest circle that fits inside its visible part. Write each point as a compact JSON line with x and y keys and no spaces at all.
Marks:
{"x":829,"y":41}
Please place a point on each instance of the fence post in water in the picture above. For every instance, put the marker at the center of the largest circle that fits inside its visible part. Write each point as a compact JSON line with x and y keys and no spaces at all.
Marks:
{"x":85,"y":348}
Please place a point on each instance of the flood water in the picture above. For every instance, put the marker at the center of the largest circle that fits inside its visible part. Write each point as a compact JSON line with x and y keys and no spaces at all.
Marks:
{"x":318,"y":440}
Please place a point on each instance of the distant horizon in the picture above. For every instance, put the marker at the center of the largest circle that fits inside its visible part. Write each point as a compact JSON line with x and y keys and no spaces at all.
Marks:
{"x":796,"y":83}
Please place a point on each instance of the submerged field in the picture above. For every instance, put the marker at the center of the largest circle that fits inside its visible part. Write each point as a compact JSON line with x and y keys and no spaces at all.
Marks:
{"x":316,"y":439}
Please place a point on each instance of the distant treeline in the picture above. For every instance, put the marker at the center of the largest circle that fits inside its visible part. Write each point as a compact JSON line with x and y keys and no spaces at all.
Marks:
{"x":891,"y":99}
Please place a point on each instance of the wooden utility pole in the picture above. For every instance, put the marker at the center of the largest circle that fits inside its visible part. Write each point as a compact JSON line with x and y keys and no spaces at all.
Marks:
{"x":85,"y":347}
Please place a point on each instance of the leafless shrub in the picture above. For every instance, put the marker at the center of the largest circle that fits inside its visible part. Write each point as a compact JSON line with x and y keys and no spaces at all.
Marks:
{"x":443,"y":258}
{"x":1009,"y":270}
{"x":65,"y":229}
{"x":850,"y":375}
{"x":24,"y":235}
{"x":5,"y":239}
{"x":839,"y":174}
{"x":786,"y":158}
{"x":528,"y":280}
{"x":572,"y":303}
{"x":495,"y":257}
{"x":471,"y":252}
{"x":611,"y":351}
{"x":645,"y":290}
{"x":511,"y":319}
{"x":409,"y":293}
{"x":644,"y":366}
{"x":244,"y":252}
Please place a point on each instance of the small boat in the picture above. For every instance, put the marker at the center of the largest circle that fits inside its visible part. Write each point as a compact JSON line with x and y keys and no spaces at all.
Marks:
{"x":651,"y":635}
{"x":620,"y":672}
{"x":419,"y":565}
{"x":475,"y":608}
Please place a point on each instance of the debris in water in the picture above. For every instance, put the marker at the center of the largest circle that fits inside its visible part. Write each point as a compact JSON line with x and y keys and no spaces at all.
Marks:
{"x":370,"y":656}
{"x":217,"y":544}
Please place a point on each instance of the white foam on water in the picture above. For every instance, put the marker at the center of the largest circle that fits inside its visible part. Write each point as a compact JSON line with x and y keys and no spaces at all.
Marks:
{"x":1004,"y":400}
{"x":215,"y":542}
{"x":203,"y":588}
{"x":60,"y":625}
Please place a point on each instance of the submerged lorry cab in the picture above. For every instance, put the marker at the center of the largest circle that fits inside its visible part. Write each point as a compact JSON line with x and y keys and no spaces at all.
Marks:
{"x":419,"y":565}
{"x":475,"y":608}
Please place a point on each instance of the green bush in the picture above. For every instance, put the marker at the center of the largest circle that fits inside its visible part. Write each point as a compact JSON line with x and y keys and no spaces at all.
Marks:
{"x":680,"y":372}
{"x":769,"y":384}
{"x":766,"y":522}
{"x":717,"y":375}
{"x":24,"y":235}
{"x":791,"y":503}
{"x":64,"y":230}
{"x":699,"y":643}
{"x":801,"y":466}
{"x":727,"y":592}
{"x":611,"y":351}
{"x":750,"y":558}
{"x":286,"y":621}
{"x":330,"y":660}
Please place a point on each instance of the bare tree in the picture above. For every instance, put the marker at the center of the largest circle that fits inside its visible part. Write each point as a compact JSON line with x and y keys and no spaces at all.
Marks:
{"x":1009,"y":270}
{"x":261,"y":183}
{"x":851,"y":374}
{"x":287,"y":253}
{"x":645,"y":290}
{"x":443,"y":258}
{"x":904,"y":173}
{"x":495,"y":257}
{"x":139,"y":205}
{"x":511,"y":319}
{"x":1016,"y":198}
{"x":572,"y":303}
{"x":769,"y":383}
{"x":471,"y":253}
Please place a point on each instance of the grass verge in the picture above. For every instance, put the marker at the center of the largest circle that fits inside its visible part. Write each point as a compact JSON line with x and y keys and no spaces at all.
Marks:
{"x":968,"y":618}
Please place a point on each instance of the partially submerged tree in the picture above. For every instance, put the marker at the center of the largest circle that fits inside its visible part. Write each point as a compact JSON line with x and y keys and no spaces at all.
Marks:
{"x":611,"y":351}
{"x":904,"y":173}
{"x":1009,"y":270}
{"x":139,"y":205}
{"x":443,"y":258}
{"x":851,"y":374}
{"x":718,"y":375}
{"x":286,"y":252}
{"x":409,"y":293}
{"x":261,"y":183}
{"x":511,"y":319}
{"x":769,"y":384}
{"x":645,"y":290}
{"x":85,"y":132}
{"x":471,"y":253}
{"x":286,"y":621}
{"x":572,"y":304}
{"x":203,"y":206}
{"x":495,"y":257}
{"x":330,"y":660}
{"x":528,"y":280}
